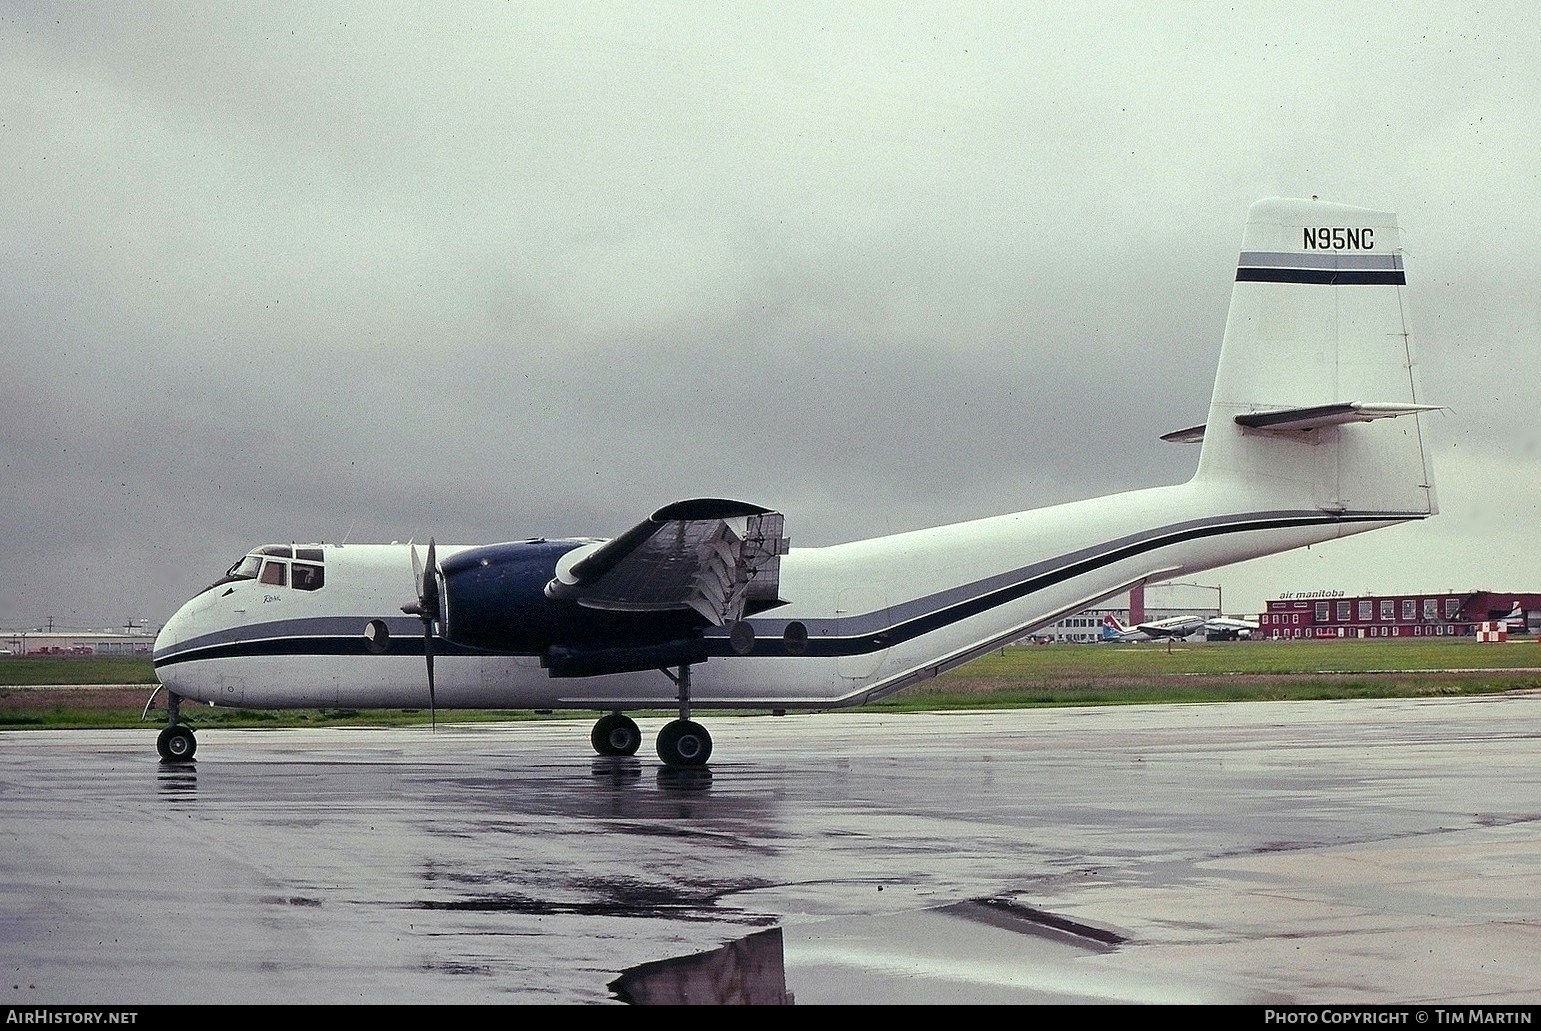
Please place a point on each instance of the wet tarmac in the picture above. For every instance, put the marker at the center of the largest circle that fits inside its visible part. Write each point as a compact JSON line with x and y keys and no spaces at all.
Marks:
{"x":1346,"y":852}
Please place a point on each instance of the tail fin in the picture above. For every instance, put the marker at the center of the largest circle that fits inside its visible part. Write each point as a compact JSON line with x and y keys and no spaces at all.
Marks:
{"x":1112,"y":629}
{"x":1315,"y":404}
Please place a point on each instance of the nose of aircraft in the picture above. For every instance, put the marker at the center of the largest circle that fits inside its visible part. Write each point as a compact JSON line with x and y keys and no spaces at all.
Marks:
{"x":170,"y":634}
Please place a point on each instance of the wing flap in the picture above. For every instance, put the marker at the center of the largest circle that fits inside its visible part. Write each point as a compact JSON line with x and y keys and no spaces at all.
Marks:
{"x":711,"y":555}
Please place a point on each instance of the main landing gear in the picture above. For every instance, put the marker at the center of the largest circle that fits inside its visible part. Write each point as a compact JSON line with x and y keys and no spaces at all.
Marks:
{"x":176,"y":743}
{"x":681,"y":742}
{"x":616,"y":734}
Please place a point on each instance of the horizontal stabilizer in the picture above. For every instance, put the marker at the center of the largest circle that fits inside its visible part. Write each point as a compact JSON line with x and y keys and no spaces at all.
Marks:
{"x":1317,"y":416}
{"x":1308,"y":418}
{"x":1191,"y":435}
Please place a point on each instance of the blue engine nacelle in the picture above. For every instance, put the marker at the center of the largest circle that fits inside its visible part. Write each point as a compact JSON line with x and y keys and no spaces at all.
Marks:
{"x":495,"y":600}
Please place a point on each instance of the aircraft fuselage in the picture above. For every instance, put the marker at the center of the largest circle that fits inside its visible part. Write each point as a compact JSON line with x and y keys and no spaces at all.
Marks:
{"x":858,"y":621}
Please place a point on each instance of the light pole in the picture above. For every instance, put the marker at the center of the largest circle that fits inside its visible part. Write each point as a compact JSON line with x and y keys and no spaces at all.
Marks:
{"x":1219,"y":597}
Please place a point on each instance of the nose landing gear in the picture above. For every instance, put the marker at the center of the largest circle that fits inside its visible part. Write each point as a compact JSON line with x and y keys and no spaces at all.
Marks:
{"x":176,"y":743}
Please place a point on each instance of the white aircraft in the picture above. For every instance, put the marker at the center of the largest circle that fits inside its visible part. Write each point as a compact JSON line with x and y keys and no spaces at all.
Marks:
{"x":1312,"y":434}
{"x":1176,"y":627}
{"x":1230,"y":626}
{"x":1113,"y":628}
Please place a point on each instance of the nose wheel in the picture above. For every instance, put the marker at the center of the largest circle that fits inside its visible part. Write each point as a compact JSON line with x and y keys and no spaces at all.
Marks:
{"x":176,"y":743}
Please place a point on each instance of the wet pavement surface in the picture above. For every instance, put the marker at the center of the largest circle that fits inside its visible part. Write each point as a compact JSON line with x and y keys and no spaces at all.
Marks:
{"x":1274,"y":852}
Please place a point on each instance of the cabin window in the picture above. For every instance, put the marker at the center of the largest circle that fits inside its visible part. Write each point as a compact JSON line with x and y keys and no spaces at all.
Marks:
{"x":307,"y":577}
{"x":275,"y":573}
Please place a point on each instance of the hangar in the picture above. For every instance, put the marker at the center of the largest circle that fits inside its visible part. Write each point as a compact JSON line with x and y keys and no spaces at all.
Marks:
{"x":75,"y":642}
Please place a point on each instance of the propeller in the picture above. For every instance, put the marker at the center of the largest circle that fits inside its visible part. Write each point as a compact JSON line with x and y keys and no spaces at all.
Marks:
{"x":427,"y":609}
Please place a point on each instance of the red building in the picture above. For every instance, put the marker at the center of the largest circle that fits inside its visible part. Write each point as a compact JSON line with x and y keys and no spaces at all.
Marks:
{"x":1316,"y":614}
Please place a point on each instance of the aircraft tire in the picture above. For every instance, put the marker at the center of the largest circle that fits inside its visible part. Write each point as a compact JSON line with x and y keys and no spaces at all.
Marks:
{"x":684,"y":743}
{"x":177,"y":744}
{"x":616,"y":734}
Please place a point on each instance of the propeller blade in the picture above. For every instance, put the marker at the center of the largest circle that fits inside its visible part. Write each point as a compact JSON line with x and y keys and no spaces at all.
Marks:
{"x":433,"y":719}
{"x":429,"y":590}
{"x":429,"y":600}
{"x":426,"y":608}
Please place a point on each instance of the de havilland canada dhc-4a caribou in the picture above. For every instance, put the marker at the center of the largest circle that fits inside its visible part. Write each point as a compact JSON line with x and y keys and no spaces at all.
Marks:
{"x":1313,"y":432}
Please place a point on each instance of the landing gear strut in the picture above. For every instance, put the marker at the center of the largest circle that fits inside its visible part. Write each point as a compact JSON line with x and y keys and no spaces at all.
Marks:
{"x":683,"y":742}
{"x":176,"y":743}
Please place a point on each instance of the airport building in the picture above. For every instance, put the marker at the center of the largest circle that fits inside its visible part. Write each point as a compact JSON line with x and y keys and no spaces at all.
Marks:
{"x":1330,"y":614}
{"x":74,"y":642}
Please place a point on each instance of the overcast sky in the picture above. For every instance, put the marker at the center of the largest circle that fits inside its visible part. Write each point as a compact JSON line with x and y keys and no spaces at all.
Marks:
{"x":485,"y":271}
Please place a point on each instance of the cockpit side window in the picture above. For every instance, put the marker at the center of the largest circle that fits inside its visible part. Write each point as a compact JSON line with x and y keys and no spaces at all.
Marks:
{"x":307,"y":577}
{"x":269,"y":564}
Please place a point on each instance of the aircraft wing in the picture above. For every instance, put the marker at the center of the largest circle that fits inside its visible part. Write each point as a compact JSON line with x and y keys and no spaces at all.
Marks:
{"x":718,"y":557}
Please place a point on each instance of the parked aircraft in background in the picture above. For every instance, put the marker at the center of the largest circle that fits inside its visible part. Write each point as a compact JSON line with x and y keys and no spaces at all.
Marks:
{"x":1230,"y":627}
{"x":1176,"y":628}
{"x":1159,"y":629}
{"x":1312,"y":434}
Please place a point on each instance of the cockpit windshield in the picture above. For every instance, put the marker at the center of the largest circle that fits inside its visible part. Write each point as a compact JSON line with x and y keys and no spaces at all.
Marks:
{"x":273,"y":564}
{"x":246,"y":569}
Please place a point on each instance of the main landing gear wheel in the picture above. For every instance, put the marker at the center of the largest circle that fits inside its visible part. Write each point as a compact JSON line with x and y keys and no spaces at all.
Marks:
{"x":684,"y":743}
{"x":177,"y":744}
{"x":616,"y":734}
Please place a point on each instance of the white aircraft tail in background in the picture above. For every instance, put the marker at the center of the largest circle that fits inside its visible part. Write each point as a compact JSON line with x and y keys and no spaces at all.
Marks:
{"x":1312,"y":434}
